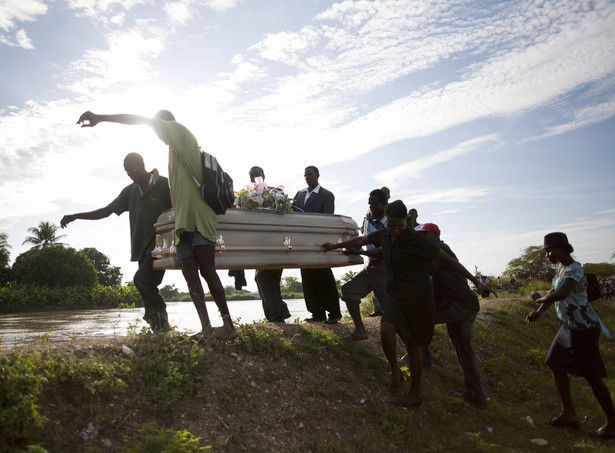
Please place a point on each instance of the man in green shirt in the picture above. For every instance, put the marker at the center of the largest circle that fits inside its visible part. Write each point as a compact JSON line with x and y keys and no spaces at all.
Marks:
{"x":195,"y":221}
{"x":144,"y":200}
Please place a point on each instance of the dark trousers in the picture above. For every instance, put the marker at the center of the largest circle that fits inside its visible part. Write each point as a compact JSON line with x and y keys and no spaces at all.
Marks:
{"x":320,"y":293}
{"x":147,"y":281}
{"x":460,"y":334}
{"x":268,"y":283}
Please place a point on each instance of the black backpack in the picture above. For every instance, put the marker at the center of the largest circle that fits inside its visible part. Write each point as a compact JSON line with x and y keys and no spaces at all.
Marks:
{"x":217,"y":189}
{"x":594,"y":289}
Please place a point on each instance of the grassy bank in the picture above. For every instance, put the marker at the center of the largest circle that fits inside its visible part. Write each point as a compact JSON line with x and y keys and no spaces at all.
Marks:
{"x":295,"y":388}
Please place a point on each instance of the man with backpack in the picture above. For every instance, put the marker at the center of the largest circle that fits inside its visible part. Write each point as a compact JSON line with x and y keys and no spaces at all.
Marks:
{"x":195,"y":221}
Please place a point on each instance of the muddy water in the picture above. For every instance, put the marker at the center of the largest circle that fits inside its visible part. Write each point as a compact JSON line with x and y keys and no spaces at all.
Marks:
{"x":26,"y":328}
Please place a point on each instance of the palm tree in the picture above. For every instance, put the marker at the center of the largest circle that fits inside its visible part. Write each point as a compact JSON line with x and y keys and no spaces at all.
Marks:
{"x":44,"y":235}
{"x":4,"y":250}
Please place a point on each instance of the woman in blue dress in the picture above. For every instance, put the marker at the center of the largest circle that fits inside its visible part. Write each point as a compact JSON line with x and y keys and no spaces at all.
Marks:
{"x":575,"y":348}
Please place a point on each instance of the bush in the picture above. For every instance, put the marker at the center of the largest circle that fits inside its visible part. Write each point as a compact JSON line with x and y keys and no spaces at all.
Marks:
{"x":17,"y":297}
{"x":55,"y":267}
{"x":116,"y":296}
{"x":20,"y":387}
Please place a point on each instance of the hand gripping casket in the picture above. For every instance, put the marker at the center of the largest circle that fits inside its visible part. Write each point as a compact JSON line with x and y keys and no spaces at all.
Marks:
{"x":260,"y":239}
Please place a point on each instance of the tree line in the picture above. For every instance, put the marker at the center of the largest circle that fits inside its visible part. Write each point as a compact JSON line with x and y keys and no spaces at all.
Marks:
{"x":53,"y":265}
{"x":53,"y":275}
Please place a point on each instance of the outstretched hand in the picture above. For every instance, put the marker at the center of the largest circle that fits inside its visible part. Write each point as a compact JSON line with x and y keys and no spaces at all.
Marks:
{"x":66,"y":220}
{"x":485,"y":290}
{"x":88,"y":119}
{"x":533,"y":316}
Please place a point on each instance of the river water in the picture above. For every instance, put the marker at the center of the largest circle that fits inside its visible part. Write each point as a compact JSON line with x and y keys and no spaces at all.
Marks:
{"x":27,"y":328}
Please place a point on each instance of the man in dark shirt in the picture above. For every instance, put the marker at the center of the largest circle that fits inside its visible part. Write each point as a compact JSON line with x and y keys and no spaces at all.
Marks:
{"x":319,"y":288}
{"x":409,"y":311}
{"x":144,"y":200}
{"x":268,"y":280}
{"x":457,"y":306}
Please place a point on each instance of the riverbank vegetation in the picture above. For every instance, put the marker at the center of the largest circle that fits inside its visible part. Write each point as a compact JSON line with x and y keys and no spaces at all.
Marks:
{"x":292,"y":388}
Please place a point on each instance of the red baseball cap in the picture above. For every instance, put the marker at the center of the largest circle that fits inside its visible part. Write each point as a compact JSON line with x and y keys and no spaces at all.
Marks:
{"x":429,"y":227}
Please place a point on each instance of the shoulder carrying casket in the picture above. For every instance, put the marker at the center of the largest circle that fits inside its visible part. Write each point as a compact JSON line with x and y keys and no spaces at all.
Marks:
{"x":255,"y":239}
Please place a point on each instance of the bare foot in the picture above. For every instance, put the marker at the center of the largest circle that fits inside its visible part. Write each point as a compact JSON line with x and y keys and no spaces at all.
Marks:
{"x":357,"y":336}
{"x":227,"y":331}
{"x":206,"y":338}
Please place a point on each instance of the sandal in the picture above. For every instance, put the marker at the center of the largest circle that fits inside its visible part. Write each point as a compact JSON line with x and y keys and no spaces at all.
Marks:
{"x":559,"y":423}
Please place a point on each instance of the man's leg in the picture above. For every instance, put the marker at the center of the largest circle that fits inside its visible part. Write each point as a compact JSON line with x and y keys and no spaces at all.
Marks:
{"x":205,"y":256}
{"x":310,"y":283}
{"x":146,"y":281}
{"x":352,"y":293}
{"x":190,"y":270}
{"x":268,"y":282}
{"x":259,"y":279}
{"x":329,"y":295}
{"x":377,"y":276}
{"x":460,"y":334}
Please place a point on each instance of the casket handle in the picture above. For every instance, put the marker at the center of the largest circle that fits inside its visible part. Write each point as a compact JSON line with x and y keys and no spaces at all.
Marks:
{"x":220,"y":243}
{"x":286,"y":243}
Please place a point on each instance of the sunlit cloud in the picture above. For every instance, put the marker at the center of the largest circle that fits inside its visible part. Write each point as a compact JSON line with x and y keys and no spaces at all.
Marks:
{"x":103,"y":9}
{"x":414,"y":169}
{"x":454,"y":196}
{"x":220,"y":5}
{"x":13,"y":12}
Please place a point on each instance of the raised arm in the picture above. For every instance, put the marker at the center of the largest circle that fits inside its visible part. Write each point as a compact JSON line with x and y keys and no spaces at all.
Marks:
{"x":90,"y":119}
{"x":90,"y":215}
{"x":445,"y":258}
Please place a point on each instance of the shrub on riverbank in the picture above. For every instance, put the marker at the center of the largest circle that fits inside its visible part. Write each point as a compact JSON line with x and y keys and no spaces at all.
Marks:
{"x":292,"y":387}
{"x":16,"y":297}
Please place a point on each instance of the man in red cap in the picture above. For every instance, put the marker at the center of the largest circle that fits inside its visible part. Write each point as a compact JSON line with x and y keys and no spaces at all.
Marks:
{"x":457,"y":306}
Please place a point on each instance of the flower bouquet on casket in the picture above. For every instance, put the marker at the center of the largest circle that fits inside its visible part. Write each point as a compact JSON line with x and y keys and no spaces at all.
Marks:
{"x":258,"y":195}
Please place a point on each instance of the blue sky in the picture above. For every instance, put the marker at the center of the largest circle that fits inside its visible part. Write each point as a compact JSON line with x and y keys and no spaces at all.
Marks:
{"x":494,"y":119}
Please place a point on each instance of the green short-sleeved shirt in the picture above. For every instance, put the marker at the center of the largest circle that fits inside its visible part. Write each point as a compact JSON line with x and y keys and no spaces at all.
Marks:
{"x":143,"y":211}
{"x":190,"y":211}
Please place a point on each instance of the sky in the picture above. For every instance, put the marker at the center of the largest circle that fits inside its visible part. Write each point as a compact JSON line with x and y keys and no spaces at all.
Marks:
{"x":494,"y":119}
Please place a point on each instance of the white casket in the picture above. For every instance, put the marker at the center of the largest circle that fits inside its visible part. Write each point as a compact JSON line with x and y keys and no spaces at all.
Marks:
{"x":261,"y":239}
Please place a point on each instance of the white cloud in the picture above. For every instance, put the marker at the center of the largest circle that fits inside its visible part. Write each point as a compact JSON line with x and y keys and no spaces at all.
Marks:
{"x":402,"y":174}
{"x":14,"y":11}
{"x":457,"y":195}
{"x":23,"y":40}
{"x":127,"y":59}
{"x":220,"y":5}
{"x":103,"y":9}
{"x":286,"y":47}
{"x":179,"y":11}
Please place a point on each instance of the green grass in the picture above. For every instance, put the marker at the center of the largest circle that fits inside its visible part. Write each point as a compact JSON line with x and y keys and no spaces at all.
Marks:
{"x":300,"y":388}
